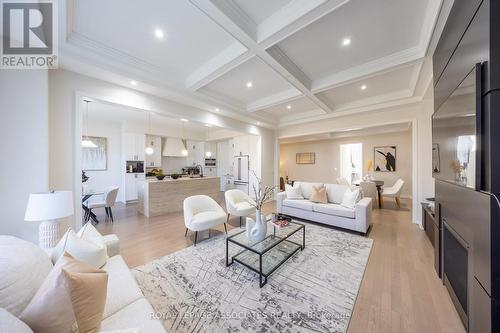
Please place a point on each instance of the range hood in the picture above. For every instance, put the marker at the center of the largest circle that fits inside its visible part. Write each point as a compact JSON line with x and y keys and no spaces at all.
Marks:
{"x":173,"y":147}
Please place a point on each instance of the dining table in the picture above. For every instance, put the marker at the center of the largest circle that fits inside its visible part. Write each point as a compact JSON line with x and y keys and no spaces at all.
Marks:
{"x":379,"y":184}
{"x":86,"y":196}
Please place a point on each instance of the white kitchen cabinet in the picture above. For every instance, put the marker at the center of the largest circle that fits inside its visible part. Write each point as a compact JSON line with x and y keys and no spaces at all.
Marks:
{"x":134,"y":145}
{"x":196,"y":153}
{"x":131,"y":185}
{"x":240,"y":144}
{"x":210,"y":171}
{"x":153,"y":160}
{"x":212,"y":148}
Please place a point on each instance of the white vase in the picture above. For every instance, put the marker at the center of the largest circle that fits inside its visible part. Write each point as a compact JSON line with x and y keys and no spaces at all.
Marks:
{"x":259,"y":230}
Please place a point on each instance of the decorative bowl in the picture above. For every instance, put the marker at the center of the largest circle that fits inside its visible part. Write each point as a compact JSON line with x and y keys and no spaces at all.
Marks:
{"x":160,"y":177}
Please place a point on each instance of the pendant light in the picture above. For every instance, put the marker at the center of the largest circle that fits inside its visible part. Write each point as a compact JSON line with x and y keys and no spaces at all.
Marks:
{"x":86,"y":143}
{"x":208,"y":154}
{"x":184,"y":151}
{"x":149,"y":149}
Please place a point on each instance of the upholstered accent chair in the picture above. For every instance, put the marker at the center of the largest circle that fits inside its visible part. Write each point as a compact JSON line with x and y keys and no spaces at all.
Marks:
{"x":201,"y":212}
{"x":238,"y":203}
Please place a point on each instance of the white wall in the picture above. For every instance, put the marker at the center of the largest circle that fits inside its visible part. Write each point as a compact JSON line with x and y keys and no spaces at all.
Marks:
{"x":66,"y":87}
{"x":112,"y":176}
{"x":327,"y":166}
{"x":23,"y":147}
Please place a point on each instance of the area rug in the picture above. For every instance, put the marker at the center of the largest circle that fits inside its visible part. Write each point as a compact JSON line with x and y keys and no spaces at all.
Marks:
{"x":192,"y":290}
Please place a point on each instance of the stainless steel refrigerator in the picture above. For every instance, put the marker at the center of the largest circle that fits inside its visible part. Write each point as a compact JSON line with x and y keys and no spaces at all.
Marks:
{"x":241,"y":172}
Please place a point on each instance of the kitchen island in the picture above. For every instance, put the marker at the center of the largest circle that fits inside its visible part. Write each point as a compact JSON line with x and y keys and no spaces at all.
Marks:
{"x":159,"y":197}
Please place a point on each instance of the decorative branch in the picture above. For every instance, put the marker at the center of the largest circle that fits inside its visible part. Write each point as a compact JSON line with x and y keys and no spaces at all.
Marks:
{"x":261,"y":195}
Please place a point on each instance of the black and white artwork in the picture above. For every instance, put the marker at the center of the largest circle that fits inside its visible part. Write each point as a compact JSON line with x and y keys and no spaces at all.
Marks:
{"x":95,"y":158}
{"x":436,"y":158}
{"x":385,"y":158}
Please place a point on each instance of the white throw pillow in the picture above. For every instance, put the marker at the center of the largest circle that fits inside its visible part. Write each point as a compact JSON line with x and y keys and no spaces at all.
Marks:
{"x":293,"y":192}
{"x":81,"y":249}
{"x":90,"y":233}
{"x":23,"y":268}
{"x":10,"y":323}
{"x":350,"y":198}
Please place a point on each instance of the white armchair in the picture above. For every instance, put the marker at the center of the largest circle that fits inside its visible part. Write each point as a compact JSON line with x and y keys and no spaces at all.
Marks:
{"x":238,"y":203}
{"x":394,"y":191}
{"x":201,"y":213}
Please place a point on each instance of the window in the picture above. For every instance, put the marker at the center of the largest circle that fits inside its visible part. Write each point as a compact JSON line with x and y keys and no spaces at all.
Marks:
{"x":351,"y":161}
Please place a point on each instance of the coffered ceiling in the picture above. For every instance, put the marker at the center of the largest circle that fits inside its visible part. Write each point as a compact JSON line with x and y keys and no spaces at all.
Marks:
{"x":265,"y":61}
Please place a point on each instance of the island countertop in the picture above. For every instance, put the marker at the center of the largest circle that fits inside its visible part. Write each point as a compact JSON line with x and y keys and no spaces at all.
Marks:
{"x":159,"y":197}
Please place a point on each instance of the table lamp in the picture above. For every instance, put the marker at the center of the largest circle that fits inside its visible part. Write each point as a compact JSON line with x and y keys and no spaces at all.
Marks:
{"x":48,"y":207}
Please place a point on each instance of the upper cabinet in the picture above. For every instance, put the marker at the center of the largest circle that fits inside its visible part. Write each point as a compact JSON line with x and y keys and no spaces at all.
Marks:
{"x":134,"y":145}
{"x":153,"y":160}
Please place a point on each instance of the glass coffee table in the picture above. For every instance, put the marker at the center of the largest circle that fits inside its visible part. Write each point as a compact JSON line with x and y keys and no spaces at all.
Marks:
{"x":266,"y":256}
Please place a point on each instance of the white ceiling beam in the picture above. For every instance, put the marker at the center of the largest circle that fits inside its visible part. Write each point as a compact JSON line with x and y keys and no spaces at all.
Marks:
{"x":293,"y":17}
{"x":281,"y":97}
{"x":223,"y":12}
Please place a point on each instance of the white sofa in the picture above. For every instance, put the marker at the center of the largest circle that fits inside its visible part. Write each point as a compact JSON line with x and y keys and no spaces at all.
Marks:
{"x":332,"y":213}
{"x":126,"y":307}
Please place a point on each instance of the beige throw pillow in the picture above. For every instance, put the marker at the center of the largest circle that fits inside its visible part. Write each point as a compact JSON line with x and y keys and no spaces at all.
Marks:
{"x":71,"y":299}
{"x":319,"y":194}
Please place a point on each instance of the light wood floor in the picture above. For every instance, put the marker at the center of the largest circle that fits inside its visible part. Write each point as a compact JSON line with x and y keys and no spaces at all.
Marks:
{"x":400,"y":291}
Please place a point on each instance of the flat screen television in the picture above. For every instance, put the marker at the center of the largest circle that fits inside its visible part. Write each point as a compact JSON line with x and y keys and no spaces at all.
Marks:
{"x":456,"y":134}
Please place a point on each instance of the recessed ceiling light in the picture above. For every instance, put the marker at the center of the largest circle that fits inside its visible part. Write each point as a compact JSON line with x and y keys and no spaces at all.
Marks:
{"x":134,"y":83}
{"x":258,"y":123}
{"x":159,"y":33}
{"x":346,"y":41}
{"x":363,"y":87}
{"x":249,"y":84}
{"x":217,"y":109}
{"x":184,"y":120}
{"x":208,"y":125}
{"x":288,"y":107}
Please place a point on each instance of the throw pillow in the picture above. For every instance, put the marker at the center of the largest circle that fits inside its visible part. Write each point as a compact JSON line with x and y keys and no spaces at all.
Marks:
{"x":319,"y":195}
{"x":81,"y":249}
{"x":71,"y":299}
{"x":10,"y":323}
{"x":293,"y":192}
{"x":90,"y":233}
{"x":23,"y":267}
{"x":351,"y":197}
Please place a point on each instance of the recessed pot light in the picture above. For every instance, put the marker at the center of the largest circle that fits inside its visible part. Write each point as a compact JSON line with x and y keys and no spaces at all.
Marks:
{"x":346,"y":41}
{"x":258,"y":123}
{"x":184,"y":120}
{"x":159,"y":33}
{"x":288,"y":107}
{"x":217,"y":109}
{"x":208,"y":125}
{"x":363,"y":87}
{"x":249,"y":84}
{"x":134,"y":83}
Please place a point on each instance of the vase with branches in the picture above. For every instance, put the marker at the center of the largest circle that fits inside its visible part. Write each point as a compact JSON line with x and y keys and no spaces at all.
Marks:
{"x":257,"y":230}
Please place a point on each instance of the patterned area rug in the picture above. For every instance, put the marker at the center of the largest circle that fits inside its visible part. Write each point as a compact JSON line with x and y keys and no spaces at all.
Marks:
{"x":314,"y":291}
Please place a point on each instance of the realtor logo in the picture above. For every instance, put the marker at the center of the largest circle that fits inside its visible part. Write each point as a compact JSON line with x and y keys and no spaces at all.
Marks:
{"x":29,"y":34}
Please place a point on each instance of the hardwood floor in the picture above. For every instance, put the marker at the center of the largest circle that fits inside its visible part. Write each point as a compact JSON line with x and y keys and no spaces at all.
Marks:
{"x":400,"y":291}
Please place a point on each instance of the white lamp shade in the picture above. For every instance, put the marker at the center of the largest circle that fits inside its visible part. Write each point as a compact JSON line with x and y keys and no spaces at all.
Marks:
{"x":49,"y":206}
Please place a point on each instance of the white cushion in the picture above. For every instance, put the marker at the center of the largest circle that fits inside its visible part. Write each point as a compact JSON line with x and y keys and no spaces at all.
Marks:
{"x":11,"y":324}
{"x":139,"y":314}
{"x":351,"y":198}
{"x":112,"y":244}
{"x":244,"y":208}
{"x":81,"y":249}
{"x":23,"y":268}
{"x":293,"y":192}
{"x":335,"y":192}
{"x":300,"y":204}
{"x":122,"y":288}
{"x":96,"y":204}
{"x":206,"y":220}
{"x":307,"y":188}
{"x":334,"y":209}
{"x":90,"y":233}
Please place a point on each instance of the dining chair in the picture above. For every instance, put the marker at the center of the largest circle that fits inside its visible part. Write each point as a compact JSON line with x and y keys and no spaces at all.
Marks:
{"x":109,"y":200}
{"x":369,"y":190}
{"x":394,"y":191}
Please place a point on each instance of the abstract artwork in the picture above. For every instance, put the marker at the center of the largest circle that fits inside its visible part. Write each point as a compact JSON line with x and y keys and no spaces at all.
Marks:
{"x":385,"y":158}
{"x":96,"y":158}
{"x":436,"y":158}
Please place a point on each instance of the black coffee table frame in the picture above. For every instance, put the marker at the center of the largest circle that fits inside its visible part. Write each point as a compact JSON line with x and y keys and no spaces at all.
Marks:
{"x":263,"y":276}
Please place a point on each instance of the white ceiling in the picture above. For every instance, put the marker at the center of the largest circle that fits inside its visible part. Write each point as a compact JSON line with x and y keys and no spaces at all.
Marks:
{"x":291,"y":51}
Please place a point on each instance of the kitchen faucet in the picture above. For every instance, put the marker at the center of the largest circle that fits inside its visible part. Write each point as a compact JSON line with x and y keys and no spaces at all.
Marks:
{"x":199,"y":167}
